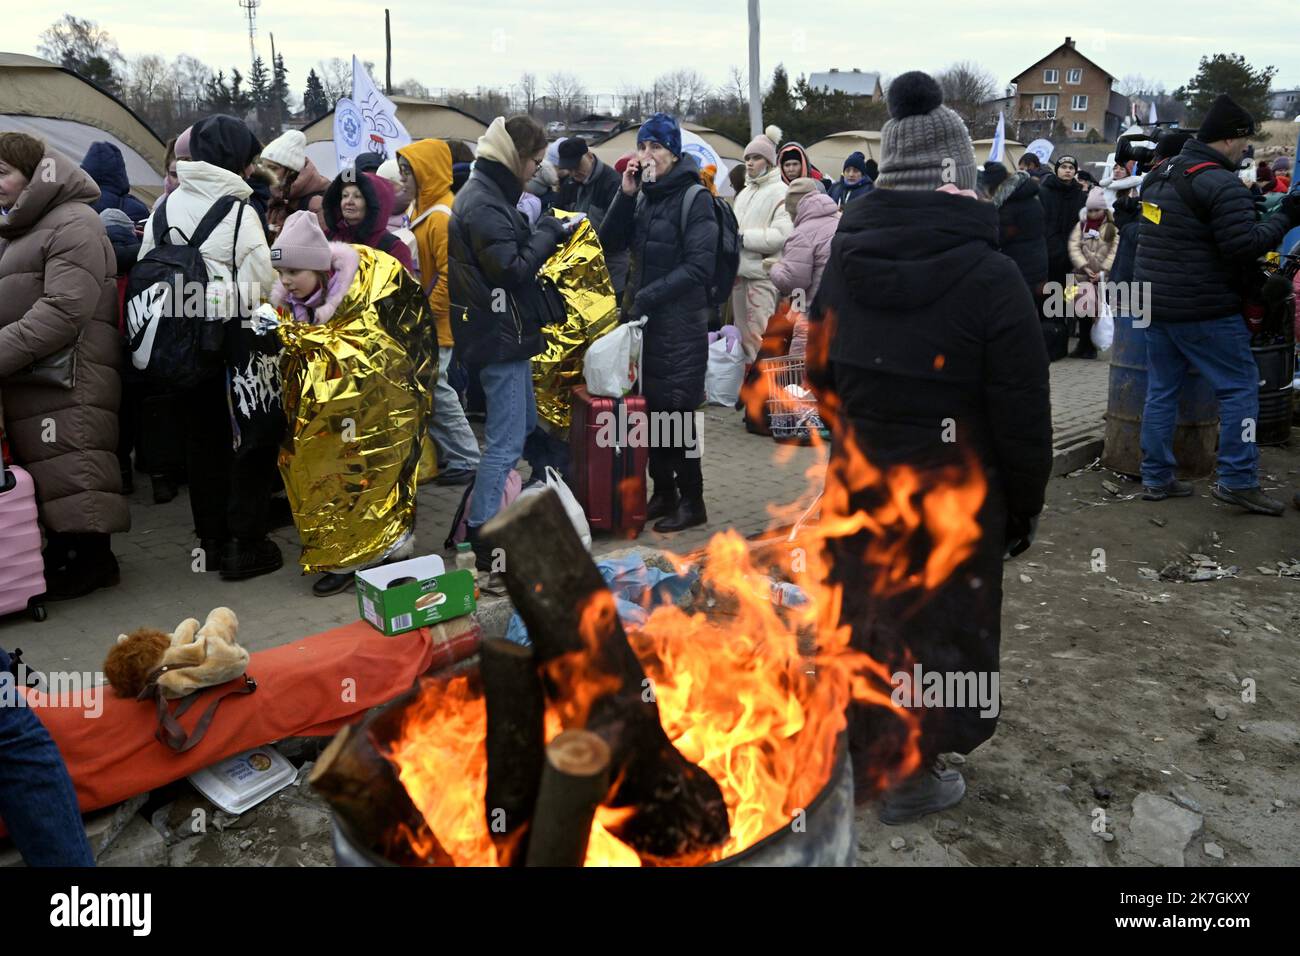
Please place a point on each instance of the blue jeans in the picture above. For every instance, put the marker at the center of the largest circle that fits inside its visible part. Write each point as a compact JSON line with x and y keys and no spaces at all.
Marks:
{"x":37,"y":801}
{"x":1220,"y":350}
{"x":511,"y":416}
{"x":450,"y":430}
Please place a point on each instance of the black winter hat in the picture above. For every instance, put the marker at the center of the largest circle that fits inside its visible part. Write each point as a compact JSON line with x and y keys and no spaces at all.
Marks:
{"x":571,"y":152}
{"x":1225,"y":120}
{"x":993,"y":174}
{"x":873,"y":169}
{"x":224,"y":141}
{"x":368,"y":162}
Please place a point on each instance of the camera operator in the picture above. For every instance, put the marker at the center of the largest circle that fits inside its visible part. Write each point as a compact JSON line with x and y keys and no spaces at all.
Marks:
{"x":1197,"y":237}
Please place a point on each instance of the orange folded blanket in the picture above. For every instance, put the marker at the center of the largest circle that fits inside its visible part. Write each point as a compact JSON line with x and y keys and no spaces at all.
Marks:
{"x":309,"y":688}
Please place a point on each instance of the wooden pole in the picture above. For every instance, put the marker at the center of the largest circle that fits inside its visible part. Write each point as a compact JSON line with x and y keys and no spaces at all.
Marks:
{"x":574,"y":782}
{"x":596,"y":682}
{"x":388,"y":54}
{"x":515,"y":744}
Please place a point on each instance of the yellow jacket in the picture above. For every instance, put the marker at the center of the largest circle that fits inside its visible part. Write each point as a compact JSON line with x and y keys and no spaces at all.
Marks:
{"x":430,"y":160}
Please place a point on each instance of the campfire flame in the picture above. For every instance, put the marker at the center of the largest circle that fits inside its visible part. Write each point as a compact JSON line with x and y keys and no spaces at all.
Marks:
{"x":753,"y":692}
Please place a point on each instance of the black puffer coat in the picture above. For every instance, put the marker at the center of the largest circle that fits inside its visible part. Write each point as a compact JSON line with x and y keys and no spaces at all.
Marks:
{"x":1127,"y":216}
{"x":492,"y":262}
{"x":937,"y":363}
{"x":1192,"y":265}
{"x":666,"y":279}
{"x":1020,"y":227}
{"x":1061,"y":202}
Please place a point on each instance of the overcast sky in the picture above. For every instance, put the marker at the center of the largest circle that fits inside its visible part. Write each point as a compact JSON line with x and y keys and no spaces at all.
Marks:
{"x":491,"y":42}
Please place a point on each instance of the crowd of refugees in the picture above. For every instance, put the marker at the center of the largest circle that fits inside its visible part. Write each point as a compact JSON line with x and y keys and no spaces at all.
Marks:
{"x":922,"y":278}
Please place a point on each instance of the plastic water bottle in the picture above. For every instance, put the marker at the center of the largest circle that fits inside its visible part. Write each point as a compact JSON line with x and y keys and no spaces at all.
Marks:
{"x":464,"y":556}
{"x":785,"y":594}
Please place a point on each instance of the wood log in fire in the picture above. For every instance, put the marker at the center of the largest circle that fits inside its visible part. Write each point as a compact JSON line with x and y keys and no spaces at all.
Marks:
{"x":596,"y":682}
{"x":574,"y":782}
{"x":362,"y":786}
{"x":515,"y":744}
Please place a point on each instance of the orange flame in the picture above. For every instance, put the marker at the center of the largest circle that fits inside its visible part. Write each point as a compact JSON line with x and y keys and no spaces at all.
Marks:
{"x":753,"y":692}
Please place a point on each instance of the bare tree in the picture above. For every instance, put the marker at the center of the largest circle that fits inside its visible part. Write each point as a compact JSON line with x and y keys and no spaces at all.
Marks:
{"x":83,"y":47}
{"x":528,"y":86}
{"x":736,"y":90}
{"x":336,"y":78}
{"x":412,"y":87}
{"x":566,"y":92}
{"x":680,"y":92}
{"x":966,"y":88}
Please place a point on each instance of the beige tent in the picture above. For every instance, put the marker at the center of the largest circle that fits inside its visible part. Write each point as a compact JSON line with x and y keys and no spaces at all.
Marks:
{"x":43,"y":99}
{"x":625,"y":142}
{"x":828,"y":154}
{"x":423,"y":119}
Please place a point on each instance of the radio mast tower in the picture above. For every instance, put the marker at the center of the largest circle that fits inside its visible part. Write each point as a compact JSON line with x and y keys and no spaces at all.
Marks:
{"x":250,"y":10}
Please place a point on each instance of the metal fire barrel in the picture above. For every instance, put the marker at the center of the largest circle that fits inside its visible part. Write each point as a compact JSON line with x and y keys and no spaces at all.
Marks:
{"x":823,"y":836}
{"x":1196,"y":431}
{"x":1275,"y":356}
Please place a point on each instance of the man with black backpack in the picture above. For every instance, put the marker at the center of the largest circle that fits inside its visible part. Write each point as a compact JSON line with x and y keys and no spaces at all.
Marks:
{"x":684,"y":256}
{"x":183,"y":318}
{"x":1198,"y":238}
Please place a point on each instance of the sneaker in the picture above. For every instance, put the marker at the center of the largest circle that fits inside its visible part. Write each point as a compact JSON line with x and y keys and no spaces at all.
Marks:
{"x":331,"y":582}
{"x":928,"y":791}
{"x":1252,"y":499}
{"x":1175,"y":489}
{"x":689,"y":513}
{"x":455,"y":476}
{"x":248,"y":559}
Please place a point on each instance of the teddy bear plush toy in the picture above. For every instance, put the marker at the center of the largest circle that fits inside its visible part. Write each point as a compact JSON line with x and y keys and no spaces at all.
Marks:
{"x":195,"y":657}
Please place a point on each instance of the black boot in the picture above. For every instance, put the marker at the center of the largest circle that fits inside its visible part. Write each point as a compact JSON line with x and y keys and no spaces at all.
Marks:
{"x":690,"y":512}
{"x":331,"y":582}
{"x":661,"y":504}
{"x":90,"y":565}
{"x":482,"y":553}
{"x":164,"y":489}
{"x":214,"y":550}
{"x":244,"y":559}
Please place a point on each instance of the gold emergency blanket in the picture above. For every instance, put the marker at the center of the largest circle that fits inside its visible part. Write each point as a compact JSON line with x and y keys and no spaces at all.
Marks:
{"x":579,"y":272}
{"x":358,"y":395}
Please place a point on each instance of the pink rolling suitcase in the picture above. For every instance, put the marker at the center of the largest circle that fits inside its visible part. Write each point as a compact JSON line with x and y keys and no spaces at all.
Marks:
{"x":22,"y":572}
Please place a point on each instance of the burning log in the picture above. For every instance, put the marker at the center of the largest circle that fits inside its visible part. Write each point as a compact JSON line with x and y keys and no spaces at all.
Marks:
{"x":574,"y":783}
{"x":362,"y":786}
{"x":515,"y":744}
{"x":597,"y":683}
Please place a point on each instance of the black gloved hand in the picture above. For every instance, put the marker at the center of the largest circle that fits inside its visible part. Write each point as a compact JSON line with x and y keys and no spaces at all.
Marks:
{"x":1291,"y":206}
{"x":1127,"y":204}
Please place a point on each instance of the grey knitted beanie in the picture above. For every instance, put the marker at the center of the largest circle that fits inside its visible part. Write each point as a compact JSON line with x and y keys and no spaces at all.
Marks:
{"x":925,"y":145}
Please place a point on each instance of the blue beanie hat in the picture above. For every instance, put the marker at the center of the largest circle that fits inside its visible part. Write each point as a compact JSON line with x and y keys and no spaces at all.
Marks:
{"x":662,"y":129}
{"x":856,"y":161}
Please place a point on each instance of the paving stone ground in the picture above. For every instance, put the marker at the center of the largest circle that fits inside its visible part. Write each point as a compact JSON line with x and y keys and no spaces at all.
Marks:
{"x":744,"y":476}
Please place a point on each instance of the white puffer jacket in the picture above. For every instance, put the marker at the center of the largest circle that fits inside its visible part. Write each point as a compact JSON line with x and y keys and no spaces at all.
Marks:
{"x":202,"y":184}
{"x":763,"y":220}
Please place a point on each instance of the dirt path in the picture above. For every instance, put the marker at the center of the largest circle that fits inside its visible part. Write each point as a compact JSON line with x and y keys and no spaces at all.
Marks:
{"x":1110,"y":684}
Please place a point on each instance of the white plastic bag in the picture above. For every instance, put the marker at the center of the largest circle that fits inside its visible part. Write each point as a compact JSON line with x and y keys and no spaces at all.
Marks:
{"x":612,"y":365}
{"x":571,"y":507}
{"x":725,"y":373}
{"x":1103,"y":329}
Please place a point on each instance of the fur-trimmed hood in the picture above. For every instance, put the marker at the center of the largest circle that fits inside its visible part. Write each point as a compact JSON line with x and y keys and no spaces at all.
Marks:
{"x":319,"y":309}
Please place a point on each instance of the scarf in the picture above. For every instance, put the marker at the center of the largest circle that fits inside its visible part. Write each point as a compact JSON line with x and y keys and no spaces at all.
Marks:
{"x":496,"y":144}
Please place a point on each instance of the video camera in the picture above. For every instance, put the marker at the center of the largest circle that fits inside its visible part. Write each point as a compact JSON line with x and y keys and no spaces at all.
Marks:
{"x":1141,"y":146}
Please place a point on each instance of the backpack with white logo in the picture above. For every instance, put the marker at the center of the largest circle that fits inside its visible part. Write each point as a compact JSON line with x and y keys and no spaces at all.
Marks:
{"x":171,"y":339}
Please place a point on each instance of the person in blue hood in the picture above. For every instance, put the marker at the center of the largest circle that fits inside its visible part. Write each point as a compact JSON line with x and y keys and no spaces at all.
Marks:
{"x":107,"y":168}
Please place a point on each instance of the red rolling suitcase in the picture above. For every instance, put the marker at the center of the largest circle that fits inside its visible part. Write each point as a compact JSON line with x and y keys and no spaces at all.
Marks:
{"x":608,"y":477}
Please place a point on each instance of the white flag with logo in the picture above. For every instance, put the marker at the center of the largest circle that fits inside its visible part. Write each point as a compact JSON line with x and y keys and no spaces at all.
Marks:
{"x":999,"y":140}
{"x":1151,"y":117}
{"x":366,"y":123}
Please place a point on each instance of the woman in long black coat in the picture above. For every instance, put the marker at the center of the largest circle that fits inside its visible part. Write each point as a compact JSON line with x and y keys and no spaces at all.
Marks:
{"x":672,"y":258}
{"x":936,"y":365}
